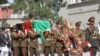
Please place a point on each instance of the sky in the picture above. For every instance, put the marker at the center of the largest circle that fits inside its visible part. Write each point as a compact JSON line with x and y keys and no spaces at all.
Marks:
{"x":10,"y":1}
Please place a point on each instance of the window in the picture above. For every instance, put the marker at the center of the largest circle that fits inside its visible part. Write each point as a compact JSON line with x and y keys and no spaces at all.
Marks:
{"x":76,"y":1}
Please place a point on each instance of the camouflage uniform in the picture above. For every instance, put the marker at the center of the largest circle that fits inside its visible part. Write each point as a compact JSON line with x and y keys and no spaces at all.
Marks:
{"x":24,"y":44}
{"x":49,"y":44}
{"x":53,"y":41}
{"x":59,"y":38}
{"x":59,"y":44}
{"x":33,"y":44}
{"x":16,"y":43}
{"x":80,"y":41}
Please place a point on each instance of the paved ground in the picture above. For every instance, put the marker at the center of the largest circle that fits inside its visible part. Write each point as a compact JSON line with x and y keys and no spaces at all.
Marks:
{"x":85,"y":54}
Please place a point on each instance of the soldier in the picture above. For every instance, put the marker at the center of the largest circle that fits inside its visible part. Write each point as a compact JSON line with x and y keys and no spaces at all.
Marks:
{"x":69,"y":36}
{"x":67,"y":42}
{"x":80,"y":38}
{"x":48,"y":48}
{"x":70,"y":42}
{"x":33,"y":43}
{"x":24,"y":43}
{"x":53,"y":41}
{"x":92,"y":37}
{"x":59,"y":38}
{"x":15,"y":41}
{"x":23,"y":40}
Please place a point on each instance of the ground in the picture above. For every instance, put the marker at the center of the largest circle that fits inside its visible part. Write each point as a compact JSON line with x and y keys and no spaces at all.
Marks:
{"x":85,"y":54}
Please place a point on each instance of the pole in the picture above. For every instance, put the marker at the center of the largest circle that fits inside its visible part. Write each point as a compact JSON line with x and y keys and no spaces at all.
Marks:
{"x":56,"y":9}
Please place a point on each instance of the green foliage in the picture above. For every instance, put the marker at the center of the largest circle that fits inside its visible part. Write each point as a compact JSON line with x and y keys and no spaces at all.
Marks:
{"x":18,"y":6}
{"x":40,"y":9}
{"x":3,"y":1}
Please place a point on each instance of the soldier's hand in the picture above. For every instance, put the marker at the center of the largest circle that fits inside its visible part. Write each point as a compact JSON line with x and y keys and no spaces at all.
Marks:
{"x":65,"y":50}
{"x":60,"y":38}
{"x":71,"y":34}
{"x":88,"y":44}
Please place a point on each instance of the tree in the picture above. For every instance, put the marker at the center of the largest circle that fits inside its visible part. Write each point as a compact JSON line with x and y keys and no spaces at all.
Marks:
{"x":39,"y":8}
{"x":3,"y":1}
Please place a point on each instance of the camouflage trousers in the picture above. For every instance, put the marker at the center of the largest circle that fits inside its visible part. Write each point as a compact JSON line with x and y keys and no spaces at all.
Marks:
{"x":24,"y":51}
{"x":48,"y":50}
{"x":16,"y":51}
{"x":59,"y":51}
{"x":34,"y":51}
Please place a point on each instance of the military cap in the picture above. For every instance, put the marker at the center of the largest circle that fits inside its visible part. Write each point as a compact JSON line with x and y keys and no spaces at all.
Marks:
{"x":78,"y":23}
{"x":91,"y":19}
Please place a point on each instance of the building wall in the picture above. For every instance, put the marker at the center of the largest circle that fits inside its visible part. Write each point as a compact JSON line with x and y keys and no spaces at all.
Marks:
{"x":83,"y":11}
{"x":76,"y":1}
{"x":11,"y":22}
{"x":5,"y":12}
{"x":63,"y":11}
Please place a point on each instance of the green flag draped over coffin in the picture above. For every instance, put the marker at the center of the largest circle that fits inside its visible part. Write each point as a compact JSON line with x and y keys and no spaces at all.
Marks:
{"x":40,"y":26}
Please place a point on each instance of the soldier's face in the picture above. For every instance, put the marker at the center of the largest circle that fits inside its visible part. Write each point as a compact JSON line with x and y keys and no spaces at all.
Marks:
{"x":78,"y":26}
{"x":91,"y":22}
{"x":59,"y":26}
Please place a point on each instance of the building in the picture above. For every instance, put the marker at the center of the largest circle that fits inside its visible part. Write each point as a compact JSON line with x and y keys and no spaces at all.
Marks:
{"x":76,"y":1}
{"x":5,"y":11}
{"x":81,"y":10}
